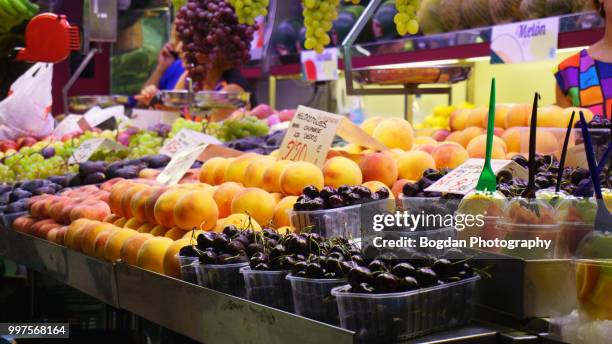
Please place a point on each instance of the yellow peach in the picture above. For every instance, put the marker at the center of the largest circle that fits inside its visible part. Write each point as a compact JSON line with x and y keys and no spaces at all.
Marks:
{"x":394,"y":133}
{"x":298,"y":175}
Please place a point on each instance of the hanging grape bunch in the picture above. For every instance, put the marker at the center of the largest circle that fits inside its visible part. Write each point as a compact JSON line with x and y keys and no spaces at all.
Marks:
{"x":405,"y":20}
{"x":248,"y":10}
{"x":213,"y":40}
{"x":318,"y":18}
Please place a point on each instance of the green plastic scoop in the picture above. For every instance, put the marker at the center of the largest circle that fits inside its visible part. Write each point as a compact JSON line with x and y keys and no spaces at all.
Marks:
{"x":488,"y":180}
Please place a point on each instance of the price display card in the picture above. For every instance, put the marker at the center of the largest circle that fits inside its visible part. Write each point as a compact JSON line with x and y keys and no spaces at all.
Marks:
{"x":89,"y":147}
{"x":180,"y":163}
{"x":71,"y":124}
{"x":96,"y":116}
{"x":464,"y":178}
{"x":310,"y":136}
{"x":186,"y":139}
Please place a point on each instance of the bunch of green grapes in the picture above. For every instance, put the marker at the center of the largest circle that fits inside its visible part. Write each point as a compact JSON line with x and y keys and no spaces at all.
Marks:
{"x":318,"y":18}
{"x":144,"y":143}
{"x":27,"y":165}
{"x":247,"y":126}
{"x":248,"y":10}
{"x":182,"y":123}
{"x":405,"y":19}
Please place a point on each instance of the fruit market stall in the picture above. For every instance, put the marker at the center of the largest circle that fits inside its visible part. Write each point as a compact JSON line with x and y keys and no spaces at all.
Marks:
{"x":223,"y":222}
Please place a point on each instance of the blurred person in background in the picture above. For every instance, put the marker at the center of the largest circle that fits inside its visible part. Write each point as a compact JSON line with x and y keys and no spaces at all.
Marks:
{"x":585,"y":78}
{"x":166,"y":74}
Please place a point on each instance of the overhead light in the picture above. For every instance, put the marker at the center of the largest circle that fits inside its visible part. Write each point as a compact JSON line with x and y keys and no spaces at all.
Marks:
{"x":479,"y":59}
{"x":417,"y":64}
{"x":571,"y":50}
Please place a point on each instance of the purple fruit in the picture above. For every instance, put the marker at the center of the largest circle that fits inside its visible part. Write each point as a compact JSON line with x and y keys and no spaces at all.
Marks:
{"x":16,"y":207}
{"x":94,"y":178}
{"x":18,"y":194}
{"x":48,"y":152}
{"x":89,"y":167}
{"x":44,"y":190}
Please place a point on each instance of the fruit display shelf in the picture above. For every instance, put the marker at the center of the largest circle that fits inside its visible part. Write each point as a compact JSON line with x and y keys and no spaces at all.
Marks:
{"x":85,"y":273}
{"x":191,"y":310}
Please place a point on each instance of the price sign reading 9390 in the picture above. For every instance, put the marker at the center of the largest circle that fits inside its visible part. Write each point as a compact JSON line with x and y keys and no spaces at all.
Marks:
{"x":310,"y":136}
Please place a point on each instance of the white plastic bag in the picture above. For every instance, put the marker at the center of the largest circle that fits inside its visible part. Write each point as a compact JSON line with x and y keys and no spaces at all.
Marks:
{"x":27,"y":109}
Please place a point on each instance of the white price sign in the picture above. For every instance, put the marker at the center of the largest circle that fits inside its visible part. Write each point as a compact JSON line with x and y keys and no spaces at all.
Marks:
{"x":526,"y":41}
{"x":464,"y":178}
{"x":89,"y":147}
{"x":310,"y":136}
{"x":186,"y":139}
{"x":179,"y":165}
{"x":96,"y":116}
{"x":70,"y":125}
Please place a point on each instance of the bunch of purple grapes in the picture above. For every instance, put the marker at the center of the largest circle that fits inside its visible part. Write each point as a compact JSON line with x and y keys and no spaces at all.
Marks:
{"x":212,"y":37}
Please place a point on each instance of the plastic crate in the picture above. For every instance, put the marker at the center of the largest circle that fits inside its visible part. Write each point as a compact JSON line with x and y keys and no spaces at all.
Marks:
{"x":225,"y":278}
{"x":312,"y":298}
{"x":400,"y":316}
{"x":269,"y":288}
{"x":188,"y":271}
{"x":345,"y":221}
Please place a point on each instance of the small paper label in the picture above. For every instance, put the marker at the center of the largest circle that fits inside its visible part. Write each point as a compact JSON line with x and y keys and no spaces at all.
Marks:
{"x":464,"y":178}
{"x":96,"y":116}
{"x":310,"y":136}
{"x":526,"y":41}
{"x":70,"y":125}
{"x":320,"y":67}
{"x":89,"y":147}
{"x":186,"y":139}
{"x":180,"y":163}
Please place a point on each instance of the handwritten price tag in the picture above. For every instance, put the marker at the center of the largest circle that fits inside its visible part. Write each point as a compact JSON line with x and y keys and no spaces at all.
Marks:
{"x":310,"y":136}
{"x":89,"y":147}
{"x":179,"y":165}
{"x":186,"y":139}
{"x":464,"y":178}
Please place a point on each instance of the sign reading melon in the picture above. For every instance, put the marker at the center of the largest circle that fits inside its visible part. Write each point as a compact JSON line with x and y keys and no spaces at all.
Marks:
{"x":526,"y":41}
{"x":310,"y":136}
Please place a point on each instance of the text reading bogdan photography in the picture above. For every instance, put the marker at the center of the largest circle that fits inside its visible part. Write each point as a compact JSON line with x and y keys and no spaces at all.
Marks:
{"x":405,"y":221}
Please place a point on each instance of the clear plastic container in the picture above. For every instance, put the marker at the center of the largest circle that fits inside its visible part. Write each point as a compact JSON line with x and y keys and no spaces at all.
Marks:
{"x":345,"y":221}
{"x":388,"y":318}
{"x":488,"y":231}
{"x":312,"y":298}
{"x":513,"y":231}
{"x":594,"y":288}
{"x":269,"y":288}
{"x":570,"y":237}
{"x":225,"y":278}
{"x":188,"y":271}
